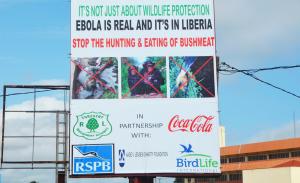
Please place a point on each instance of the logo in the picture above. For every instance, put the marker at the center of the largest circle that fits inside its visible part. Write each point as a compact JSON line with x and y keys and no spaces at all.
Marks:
{"x":93,"y":159}
{"x":190,"y":161}
{"x":186,"y":149}
{"x":122,"y":158}
{"x":92,"y":126}
{"x":200,"y":124}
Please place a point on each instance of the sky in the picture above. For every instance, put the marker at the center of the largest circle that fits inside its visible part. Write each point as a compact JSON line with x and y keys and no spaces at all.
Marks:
{"x":35,"y":47}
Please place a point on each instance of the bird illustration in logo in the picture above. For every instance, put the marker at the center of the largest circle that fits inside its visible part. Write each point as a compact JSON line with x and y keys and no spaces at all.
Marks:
{"x":186,"y":149}
{"x":122,"y":158}
{"x":91,"y":154}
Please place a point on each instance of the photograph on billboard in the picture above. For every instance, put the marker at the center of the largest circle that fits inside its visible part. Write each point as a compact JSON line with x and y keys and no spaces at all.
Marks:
{"x":192,"y":77}
{"x":144,"y":78}
{"x":144,"y":88}
{"x":95,"y":78}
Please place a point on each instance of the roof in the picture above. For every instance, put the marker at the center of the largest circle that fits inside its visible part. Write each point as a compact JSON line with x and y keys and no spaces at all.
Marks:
{"x":292,"y":163}
{"x":277,"y":145}
{"x":250,"y":165}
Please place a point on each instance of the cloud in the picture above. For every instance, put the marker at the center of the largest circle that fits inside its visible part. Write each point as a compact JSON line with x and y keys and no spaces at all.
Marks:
{"x":26,"y":176}
{"x":22,"y":124}
{"x":281,"y":132}
{"x":50,"y":82}
{"x":45,"y":148}
{"x":248,"y":32}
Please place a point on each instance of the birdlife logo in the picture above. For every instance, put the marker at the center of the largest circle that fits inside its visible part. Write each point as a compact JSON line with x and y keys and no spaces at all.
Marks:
{"x":93,"y":159}
{"x":191,"y":161}
{"x":122,"y":157}
{"x":92,"y":126}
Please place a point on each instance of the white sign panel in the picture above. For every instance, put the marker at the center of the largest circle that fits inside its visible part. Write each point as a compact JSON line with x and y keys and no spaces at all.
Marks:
{"x":144,"y":93}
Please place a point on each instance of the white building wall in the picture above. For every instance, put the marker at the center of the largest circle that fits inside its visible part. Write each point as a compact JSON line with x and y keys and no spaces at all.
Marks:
{"x":222,"y":138}
{"x":295,"y":174}
{"x":272,"y":175}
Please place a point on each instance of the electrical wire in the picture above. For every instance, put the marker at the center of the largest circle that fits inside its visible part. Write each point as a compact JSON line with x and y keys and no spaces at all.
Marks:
{"x":223,"y":67}
{"x":24,"y":93}
{"x":250,"y":72}
{"x":271,"y":68}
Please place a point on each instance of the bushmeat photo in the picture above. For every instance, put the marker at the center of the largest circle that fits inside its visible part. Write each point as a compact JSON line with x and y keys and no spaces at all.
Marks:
{"x":144,"y":77}
{"x":192,"y":77}
{"x":95,"y":78}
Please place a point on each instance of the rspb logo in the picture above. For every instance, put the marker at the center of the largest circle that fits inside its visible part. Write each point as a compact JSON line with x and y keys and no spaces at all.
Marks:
{"x":93,"y":159}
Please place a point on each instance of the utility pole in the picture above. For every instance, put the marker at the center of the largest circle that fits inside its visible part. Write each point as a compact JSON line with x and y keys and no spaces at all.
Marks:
{"x":141,"y":179}
{"x":295,"y":132}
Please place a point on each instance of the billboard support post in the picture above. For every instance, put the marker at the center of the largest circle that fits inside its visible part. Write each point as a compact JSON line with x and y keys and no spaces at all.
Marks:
{"x":3,"y":123}
{"x":144,"y":179}
{"x":60,"y":164}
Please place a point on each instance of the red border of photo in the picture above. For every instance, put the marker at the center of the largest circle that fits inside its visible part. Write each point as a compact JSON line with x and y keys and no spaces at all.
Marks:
{"x":192,"y":76}
{"x":142,"y":78}
{"x":94,"y":76}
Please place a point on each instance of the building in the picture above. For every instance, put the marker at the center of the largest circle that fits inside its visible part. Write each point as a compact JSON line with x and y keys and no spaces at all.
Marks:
{"x":267,"y":162}
{"x":222,"y":135}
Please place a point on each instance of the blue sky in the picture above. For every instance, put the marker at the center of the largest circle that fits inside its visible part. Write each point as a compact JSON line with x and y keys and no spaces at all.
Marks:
{"x":253,"y":35}
{"x":35,"y":37}
{"x":34,"y":48}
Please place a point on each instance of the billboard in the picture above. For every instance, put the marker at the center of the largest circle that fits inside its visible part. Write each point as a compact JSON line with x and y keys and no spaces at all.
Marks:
{"x":144,"y":91}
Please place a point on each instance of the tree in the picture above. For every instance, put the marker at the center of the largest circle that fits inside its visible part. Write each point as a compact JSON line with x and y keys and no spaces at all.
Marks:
{"x":92,"y":124}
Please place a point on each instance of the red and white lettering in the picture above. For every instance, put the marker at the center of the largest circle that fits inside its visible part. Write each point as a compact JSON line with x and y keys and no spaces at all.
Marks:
{"x":200,"y":124}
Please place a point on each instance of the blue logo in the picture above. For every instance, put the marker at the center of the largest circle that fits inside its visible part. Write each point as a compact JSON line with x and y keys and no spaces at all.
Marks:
{"x":189,"y":160}
{"x":93,"y":159}
{"x":186,"y":149}
{"x":122,"y":158}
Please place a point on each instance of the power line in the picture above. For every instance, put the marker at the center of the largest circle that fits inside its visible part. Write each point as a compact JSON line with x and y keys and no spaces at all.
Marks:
{"x":229,"y":71}
{"x":271,"y":68}
{"x":250,"y":72}
{"x":24,"y":93}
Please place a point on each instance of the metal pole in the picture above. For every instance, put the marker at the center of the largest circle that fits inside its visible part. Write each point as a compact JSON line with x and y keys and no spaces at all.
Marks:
{"x":141,"y":179}
{"x":3,"y":122}
{"x":295,"y":132}
{"x":61,"y":177}
{"x":33,"y":129}
{"x":56,"y":147}
{"x":32,"y":163}
{"x":65,"y":145}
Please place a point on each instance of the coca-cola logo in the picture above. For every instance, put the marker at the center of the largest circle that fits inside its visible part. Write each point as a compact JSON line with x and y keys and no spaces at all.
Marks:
{"x":199,"y":124}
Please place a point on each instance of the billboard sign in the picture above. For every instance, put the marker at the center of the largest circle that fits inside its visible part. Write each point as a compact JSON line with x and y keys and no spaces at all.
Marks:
{"x":144,"y":93}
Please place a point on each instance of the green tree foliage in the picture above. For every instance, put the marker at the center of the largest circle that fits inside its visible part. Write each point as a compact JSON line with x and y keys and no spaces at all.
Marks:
{"x":92,"y":124}
{"x":161,"y":66}
{"x":124,"y":71}
{"x":108,"y":94}
{"x":193,"y":89}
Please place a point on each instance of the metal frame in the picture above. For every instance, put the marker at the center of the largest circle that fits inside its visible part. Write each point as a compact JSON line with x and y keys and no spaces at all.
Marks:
{"x":61,"y":150}
{"x":62,"y":138}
